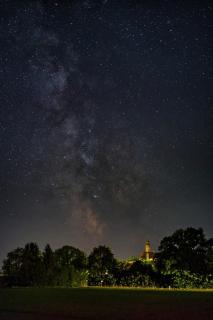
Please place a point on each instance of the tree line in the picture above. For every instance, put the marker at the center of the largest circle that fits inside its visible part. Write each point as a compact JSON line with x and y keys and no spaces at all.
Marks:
{"x":184,"y":260}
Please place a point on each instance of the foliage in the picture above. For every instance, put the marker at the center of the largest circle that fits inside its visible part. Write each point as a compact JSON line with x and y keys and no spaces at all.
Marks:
{"x":209,"y":256}
{"x":185,"y":279}
{"x":30,"y":267}
{"x":133,"y":274}
{"x":184,"y":260}
{"x":70,"y":267}
{"x":12,"y":266}
{"x":67,"y":256}
{"x":184,"y":250}
{"x":101,"y":263}
{"x":49,"y":265}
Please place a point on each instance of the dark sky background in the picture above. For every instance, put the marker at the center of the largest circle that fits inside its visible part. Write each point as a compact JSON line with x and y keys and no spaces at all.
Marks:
{"x":106,"y":114}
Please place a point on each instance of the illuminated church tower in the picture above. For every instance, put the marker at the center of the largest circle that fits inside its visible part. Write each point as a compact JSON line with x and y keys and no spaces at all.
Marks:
{"x":148,"y":254}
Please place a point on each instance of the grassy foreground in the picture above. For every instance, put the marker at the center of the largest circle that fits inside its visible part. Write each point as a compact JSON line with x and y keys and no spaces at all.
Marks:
{"x":104,"y":303}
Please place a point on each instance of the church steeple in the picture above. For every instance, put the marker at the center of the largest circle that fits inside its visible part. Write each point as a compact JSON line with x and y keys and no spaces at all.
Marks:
{"x":147,"y":250}
{"x":148,"y":253}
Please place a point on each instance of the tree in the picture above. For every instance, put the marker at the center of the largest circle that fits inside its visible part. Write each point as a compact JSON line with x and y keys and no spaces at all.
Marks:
{"x":135,"y":273}
{"x":12,"y":266}
{"x":67,"y":256}
{"x":184,"y":250}
{"x":70,"y":266}
{"x":101,"y":262}
{"x":121,"y":273}
{"x":49,"y":265}
{"x":32,"y":268}
{"x":210,"y":256}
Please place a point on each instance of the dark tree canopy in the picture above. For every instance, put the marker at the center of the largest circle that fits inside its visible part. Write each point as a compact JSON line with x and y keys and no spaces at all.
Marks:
{"x":184,"y":260}
{"x":101,"y":260}
{"x":184,"y":250}
{"x":12,"y":265}
{"x":68,"y":255}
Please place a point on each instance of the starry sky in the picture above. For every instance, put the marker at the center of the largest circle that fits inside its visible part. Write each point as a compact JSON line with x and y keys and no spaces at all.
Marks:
{"x":106,"y":114}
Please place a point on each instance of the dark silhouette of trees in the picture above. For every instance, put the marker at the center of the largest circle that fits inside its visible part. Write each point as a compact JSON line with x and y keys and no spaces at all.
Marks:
{"x":12,"y":266}
{"x":142,"y":273}
{"x":184,"y":250}
{"x":209,"y":256}
{"x":101,"y":263}
{"x":24,"y":266}
{"x":68,"y":255}
{"x":49,"y":266}
{"x":70,"y":267}
{"x":31,"y":269}
{"x":134,"y":273}
{"x":184,"y":260}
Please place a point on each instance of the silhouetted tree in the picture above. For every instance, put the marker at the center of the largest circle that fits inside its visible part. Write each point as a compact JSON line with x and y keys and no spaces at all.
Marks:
{"x":184,"y":250}
{"x":185,"y":259}
{"x":70,"y":266}
{"x":12,"y":266}
{"x":32,"y":267}
{"x":210,"y":256}
{"x":67,"y":256}
{"x":101,"y":263}
{"x":49,"y":265}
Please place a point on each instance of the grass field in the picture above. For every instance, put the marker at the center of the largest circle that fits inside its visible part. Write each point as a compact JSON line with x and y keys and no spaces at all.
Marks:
{"x":104,"y":303}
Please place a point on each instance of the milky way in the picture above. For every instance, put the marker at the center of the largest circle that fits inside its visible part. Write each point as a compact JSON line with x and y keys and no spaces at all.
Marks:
{"x":105,"y":122}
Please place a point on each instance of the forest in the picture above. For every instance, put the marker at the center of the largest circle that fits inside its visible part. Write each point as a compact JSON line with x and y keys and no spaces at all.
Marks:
{"x":183,"y":260}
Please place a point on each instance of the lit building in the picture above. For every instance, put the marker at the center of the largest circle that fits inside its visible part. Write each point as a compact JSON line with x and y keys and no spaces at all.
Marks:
{"x":148,"y":254}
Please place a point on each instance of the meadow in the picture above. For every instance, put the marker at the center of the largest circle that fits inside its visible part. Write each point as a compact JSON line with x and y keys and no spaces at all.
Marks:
{"x":104,"y":303}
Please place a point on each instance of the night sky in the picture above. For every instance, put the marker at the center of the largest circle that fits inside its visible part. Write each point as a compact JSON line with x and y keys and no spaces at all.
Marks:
{"x":106,"y":115}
